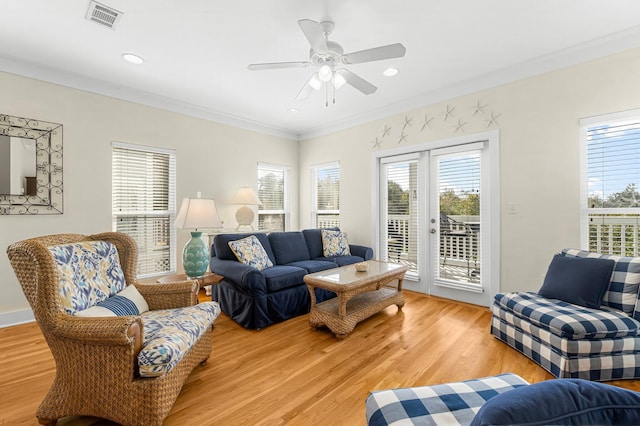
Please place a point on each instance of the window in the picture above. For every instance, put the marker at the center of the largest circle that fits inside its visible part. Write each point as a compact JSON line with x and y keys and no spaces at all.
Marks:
{"x":326,"y":195}
{"x":612,"y":182}
{"x":143,"y":197}
{"x":273,"y":214}
{"x":399,"y":208}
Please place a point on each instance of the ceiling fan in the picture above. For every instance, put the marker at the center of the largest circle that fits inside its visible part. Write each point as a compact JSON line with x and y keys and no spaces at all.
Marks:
{"x":329,"y":56}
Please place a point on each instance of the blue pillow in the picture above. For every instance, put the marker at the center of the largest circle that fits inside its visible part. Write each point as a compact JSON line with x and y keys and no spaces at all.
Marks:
{"x":562,"y":402}
{"x":578,"y":280}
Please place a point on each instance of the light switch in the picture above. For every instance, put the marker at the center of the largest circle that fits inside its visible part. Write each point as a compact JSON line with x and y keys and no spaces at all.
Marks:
{"x":512,"y":208}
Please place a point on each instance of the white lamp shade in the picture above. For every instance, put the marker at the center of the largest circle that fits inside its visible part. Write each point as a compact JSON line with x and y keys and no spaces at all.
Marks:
{"x":247,"y":197}
{"x":198,"y":213}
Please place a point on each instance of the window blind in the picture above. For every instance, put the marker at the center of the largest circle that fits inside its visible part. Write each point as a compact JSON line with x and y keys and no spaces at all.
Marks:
{"x":613,"y":185}
{"x":272,"y":186}
{"x":613,"y":152}
{"x":143,"y":203}
{"x":459,"y":200}
{"x":401,"y":234}
{"x":327,"y":195}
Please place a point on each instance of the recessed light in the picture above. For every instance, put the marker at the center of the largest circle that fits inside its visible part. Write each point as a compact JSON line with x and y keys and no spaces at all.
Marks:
{"x":390,"y":72}
{"x":132,"y":58}
{"x":292,"y":110}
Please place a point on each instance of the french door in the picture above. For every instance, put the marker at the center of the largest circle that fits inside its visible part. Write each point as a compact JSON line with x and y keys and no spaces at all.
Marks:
{"x":438,"y":215}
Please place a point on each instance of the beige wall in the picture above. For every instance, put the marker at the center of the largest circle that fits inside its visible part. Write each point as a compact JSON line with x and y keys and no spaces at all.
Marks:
{"x":538,"y":123}
{"x":212,"y":158}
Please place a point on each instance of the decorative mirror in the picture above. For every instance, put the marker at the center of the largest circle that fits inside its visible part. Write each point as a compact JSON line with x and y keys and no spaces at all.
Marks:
{"x":30,"y":166}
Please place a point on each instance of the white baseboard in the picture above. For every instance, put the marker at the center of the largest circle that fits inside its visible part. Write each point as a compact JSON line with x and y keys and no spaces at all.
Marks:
{"x":7,"y":319}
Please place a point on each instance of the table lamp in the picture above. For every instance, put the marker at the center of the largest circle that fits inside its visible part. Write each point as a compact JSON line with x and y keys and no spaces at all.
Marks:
{"x":197,"y":213}
{"x":247,"y":197}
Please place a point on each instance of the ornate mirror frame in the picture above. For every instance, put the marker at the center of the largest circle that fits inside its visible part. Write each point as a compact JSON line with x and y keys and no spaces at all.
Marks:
{"x":48,"y":195}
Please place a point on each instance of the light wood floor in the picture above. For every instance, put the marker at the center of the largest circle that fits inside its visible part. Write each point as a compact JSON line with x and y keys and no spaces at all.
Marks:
{"x":290,"y":374}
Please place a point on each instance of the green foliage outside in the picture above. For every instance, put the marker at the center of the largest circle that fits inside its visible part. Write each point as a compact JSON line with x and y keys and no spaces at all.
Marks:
{"x":465,"y":203}
{"x":629,"y":197}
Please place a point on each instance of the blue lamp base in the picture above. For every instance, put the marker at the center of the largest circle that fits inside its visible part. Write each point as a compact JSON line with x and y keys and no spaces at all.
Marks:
{"x":195,"y":256}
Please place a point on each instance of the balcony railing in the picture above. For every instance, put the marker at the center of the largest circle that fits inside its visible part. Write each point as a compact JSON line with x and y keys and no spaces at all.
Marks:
{"x":459,"y":246}
{"x":615,"y":234}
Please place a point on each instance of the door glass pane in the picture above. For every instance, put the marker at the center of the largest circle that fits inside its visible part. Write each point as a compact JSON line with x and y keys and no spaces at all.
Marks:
{"x":401,"y":237}
{"x":459,"y":208}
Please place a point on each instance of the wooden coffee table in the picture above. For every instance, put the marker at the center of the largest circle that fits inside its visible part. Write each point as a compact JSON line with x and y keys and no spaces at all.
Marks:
{"x":360,"y":294}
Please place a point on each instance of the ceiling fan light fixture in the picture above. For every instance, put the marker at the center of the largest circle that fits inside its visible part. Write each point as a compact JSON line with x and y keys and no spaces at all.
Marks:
{"x":325,"y":73}
{"x":390,"y":72}
{"x":338,"y":80}
{"x":315,"y":82}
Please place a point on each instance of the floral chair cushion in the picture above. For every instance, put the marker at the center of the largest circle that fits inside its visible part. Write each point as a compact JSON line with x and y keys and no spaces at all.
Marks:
{"x":89,"y":272}
{"x":170,"y":333}
{"x":250,"y":252}
{"x":334,"y":243}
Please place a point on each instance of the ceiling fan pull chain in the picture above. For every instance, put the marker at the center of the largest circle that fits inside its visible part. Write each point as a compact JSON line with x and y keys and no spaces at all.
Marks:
{"x":333,"y":89}
{"x":326,"y":95}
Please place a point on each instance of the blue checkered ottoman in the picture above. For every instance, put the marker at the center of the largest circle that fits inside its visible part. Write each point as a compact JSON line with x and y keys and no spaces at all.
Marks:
{"x":450,"y":403}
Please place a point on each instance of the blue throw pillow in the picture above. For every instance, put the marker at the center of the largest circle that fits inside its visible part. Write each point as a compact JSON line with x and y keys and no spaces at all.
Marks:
{"x":578,"y":280}
{"x":562,"y":402}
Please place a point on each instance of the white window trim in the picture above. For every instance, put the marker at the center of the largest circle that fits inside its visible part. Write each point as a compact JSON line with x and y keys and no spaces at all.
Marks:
{"x":172,"y":200}
{"x":287,"y":210}
{"x":585,"y":123}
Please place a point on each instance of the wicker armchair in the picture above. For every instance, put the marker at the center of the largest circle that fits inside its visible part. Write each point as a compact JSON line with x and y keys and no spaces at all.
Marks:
{"x":97,"y":370}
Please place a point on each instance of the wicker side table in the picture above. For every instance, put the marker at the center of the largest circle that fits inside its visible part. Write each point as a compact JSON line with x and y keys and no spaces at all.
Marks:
{"x":206,"y":281}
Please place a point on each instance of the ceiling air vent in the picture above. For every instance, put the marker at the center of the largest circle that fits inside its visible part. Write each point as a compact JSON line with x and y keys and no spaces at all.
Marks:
{"x":103,"y":14}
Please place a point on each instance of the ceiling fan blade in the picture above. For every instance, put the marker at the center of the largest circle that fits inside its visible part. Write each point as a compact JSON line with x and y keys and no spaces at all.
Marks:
{"x":313,"y":32}
{"x":396,"y":50}
{"x":275,"y":65}
{"x":358,"y":82}
{"x":312,"y":84}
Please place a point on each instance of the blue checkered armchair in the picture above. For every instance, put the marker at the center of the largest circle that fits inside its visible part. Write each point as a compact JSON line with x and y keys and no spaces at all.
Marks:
{"x":572,"y":341}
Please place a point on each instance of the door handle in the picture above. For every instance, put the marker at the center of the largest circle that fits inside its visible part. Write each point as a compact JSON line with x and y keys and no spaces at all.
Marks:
{"x":433,"y":230}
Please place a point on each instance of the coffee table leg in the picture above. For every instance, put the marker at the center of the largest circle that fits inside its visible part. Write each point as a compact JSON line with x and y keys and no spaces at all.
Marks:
{"x":313,"y":322}
{"x":400,"y":305}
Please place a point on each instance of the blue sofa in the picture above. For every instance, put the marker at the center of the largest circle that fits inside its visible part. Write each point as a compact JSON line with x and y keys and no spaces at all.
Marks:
{"x":255,"y":299}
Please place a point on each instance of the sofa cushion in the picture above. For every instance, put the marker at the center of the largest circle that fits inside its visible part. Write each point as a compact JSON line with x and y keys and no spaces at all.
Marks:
{"x":568,"y":320}
{"x":89,"y":272}
{"x":313,"y":238}
{"x":625,"y":280}
{"x":168,"y":334}
{"x":562,"y":401}
{"x":334,"y":243}
{"x":281,"y":276}
{"x":578,"y":280}
{"x":223,"y":251}
{"x":347,"y":260}
{"x":314,"y":265}
{"x":288,"y":247}
{"x":250,"y":252}
{"x":128,"y":302}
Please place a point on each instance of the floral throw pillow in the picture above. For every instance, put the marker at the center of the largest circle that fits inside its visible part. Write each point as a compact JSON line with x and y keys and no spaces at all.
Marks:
{"x":334,"y":243}
{"x":250,"y":252}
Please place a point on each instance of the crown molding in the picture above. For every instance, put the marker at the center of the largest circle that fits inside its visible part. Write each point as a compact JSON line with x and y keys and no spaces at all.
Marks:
{"x":594,"y":49}
{"x":584,"y":52}
{"x":80,"y":82}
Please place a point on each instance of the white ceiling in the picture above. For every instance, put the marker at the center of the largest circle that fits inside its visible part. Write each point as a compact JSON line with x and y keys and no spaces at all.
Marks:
{"x":196,"y":51}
